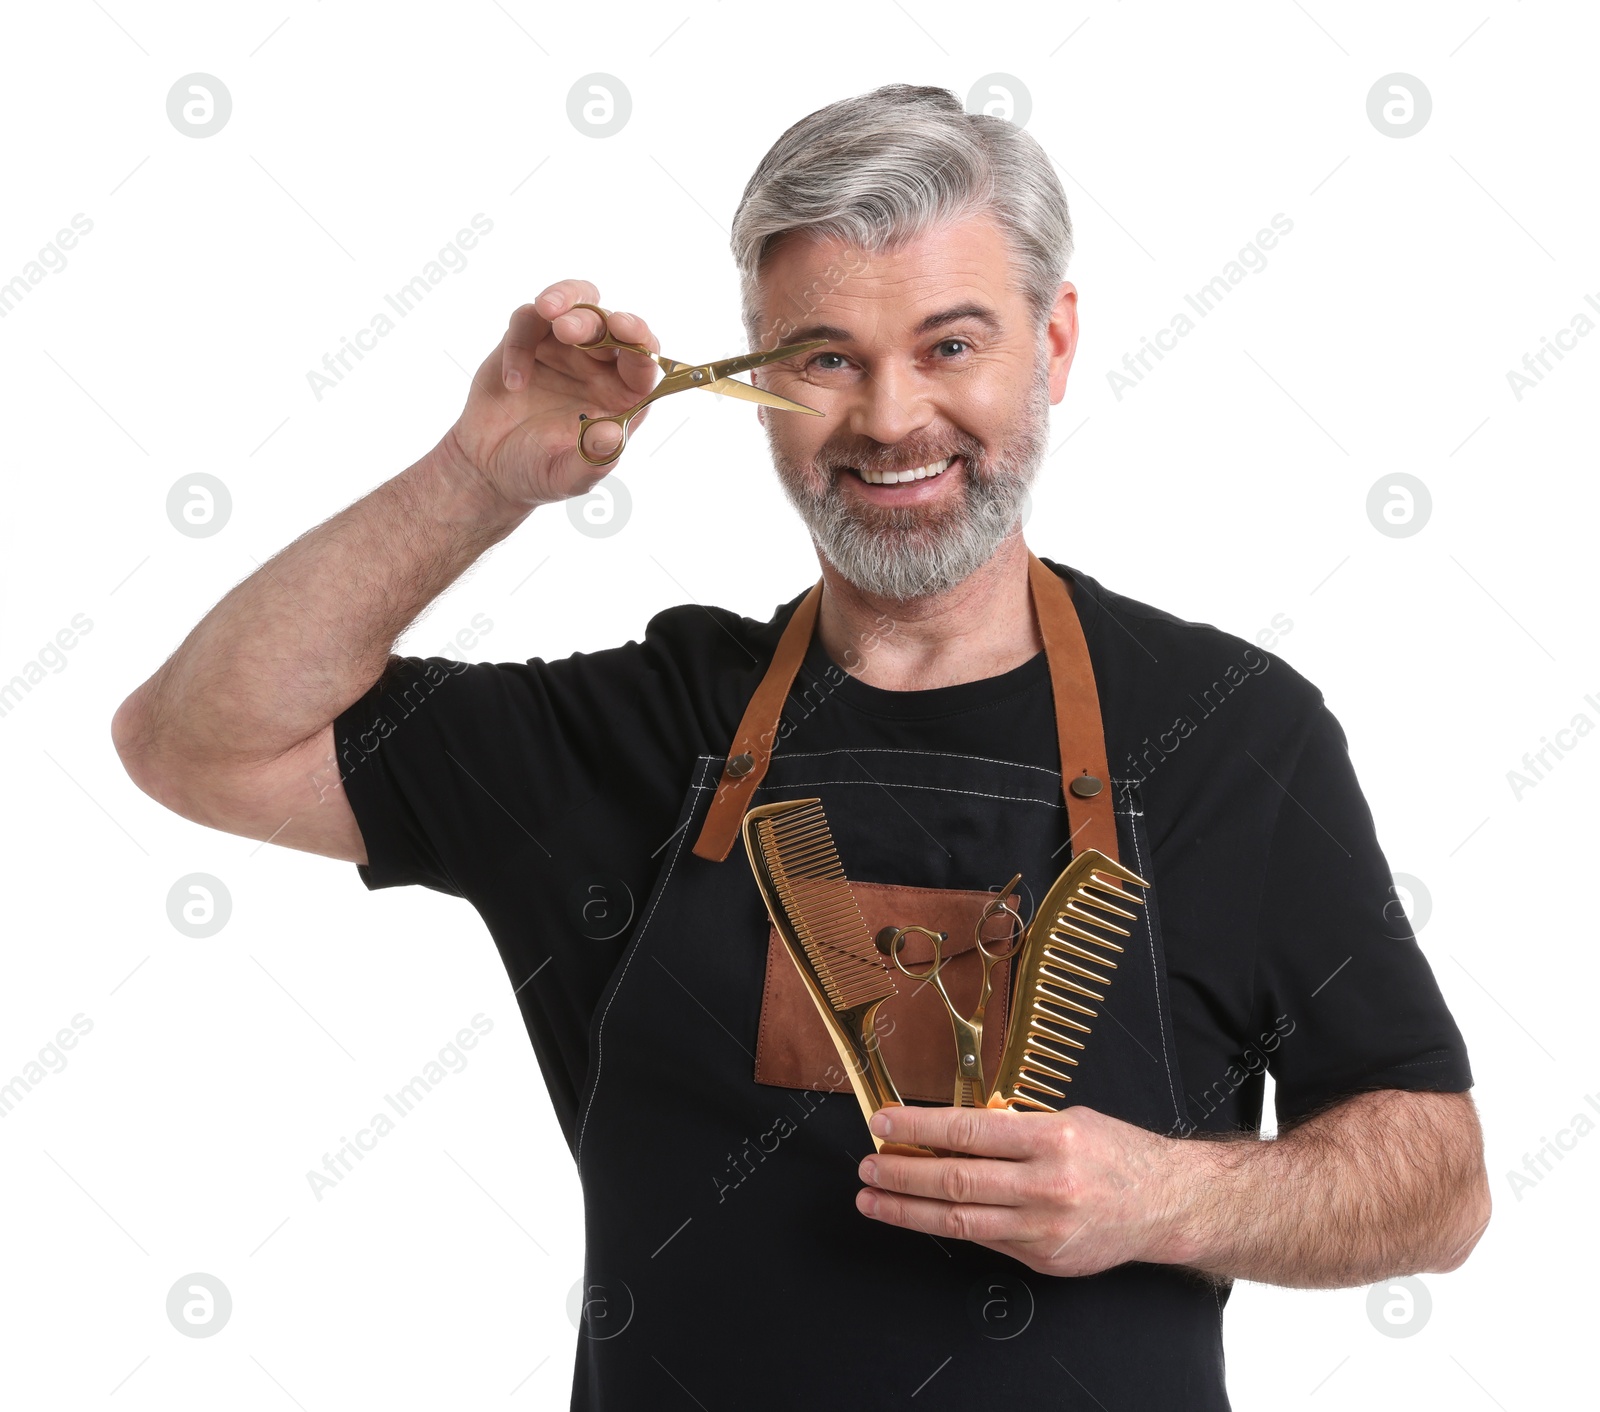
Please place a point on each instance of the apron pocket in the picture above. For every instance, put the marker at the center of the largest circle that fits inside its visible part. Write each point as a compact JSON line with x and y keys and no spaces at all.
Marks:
{"x":793,"y":1049}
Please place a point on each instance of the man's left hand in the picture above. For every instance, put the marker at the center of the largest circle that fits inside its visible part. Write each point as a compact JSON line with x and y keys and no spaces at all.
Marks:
{"x":1068,"y":1193}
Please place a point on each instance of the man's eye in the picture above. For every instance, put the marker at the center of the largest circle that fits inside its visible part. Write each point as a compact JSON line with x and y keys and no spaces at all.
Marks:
{"x":823,"y":366}
{"x":953,"y":347}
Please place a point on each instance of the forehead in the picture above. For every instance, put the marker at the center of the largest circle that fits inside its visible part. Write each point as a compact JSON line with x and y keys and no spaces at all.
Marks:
{"x":885,"y":292}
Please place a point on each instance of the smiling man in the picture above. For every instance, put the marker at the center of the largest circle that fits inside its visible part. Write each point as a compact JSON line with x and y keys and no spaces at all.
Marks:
{"x":966,"y":712}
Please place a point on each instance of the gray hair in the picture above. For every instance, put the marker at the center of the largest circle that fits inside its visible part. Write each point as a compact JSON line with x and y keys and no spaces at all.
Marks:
{"x":889,"y":165}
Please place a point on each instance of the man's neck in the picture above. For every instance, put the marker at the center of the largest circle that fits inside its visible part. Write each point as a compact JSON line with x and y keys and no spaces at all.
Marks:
{"x":983,"y":626}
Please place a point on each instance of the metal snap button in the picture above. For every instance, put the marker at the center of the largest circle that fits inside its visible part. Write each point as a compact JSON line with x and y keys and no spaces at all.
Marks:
{"x":740,"y":766}
{"x":1086,"y":786}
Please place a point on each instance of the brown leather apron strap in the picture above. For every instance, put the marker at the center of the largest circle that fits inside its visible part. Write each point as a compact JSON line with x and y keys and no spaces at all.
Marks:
{"x":751,"y":752}
{"x":1085,"y":777}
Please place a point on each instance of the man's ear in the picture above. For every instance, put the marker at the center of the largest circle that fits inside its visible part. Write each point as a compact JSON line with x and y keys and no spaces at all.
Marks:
{"x":1061,"y":339}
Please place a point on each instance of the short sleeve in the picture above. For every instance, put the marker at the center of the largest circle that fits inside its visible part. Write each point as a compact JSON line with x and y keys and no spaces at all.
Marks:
{"x":484,"y":779}
{"x":1340,"y":980}
{"x":395,"y":746}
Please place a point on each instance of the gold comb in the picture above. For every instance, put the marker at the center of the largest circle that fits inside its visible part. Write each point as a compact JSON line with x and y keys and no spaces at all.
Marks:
{"x":1063,"y":961}
{"x":809,"y":900}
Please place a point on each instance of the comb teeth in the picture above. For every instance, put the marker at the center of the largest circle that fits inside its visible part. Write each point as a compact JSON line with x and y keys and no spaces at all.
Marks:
{"x":1064,"y":962}
{"x":804,"y":866}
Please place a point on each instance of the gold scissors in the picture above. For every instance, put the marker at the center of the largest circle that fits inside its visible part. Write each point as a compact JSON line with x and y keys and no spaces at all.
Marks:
{"x":680,"y":377}
{"x":970,"y":1090}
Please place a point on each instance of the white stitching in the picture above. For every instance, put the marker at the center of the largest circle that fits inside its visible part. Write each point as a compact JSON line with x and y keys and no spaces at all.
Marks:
{"x":1138,"y":855}
{"x":934,"y":754}
{"x":936,"y":788}
{"x":1009,"y":798}
{"x":599,"y":1034}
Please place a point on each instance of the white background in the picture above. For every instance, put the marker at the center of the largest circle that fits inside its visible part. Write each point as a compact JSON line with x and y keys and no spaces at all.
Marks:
{"x":219,"y":271}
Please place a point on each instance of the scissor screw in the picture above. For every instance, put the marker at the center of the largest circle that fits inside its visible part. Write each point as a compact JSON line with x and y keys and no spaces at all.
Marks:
{"x":969,"y":1060}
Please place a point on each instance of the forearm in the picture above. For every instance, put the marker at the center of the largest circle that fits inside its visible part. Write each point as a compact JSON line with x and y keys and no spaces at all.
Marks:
{"x":1385,"y":1183}
{"x":300,"y":639}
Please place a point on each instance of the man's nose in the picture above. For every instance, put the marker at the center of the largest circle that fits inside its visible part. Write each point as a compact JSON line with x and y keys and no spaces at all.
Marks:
{"x":888,"y":406}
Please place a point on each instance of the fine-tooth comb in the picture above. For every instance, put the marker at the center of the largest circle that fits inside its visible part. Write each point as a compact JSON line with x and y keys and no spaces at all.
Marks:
{"x":809,"y":900}
{"x":1058,"y":968}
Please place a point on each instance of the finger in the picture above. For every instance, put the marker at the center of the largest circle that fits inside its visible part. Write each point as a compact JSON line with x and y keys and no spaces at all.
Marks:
{"x":563,"y":294}
{"x":630,"y":328}
{"x":582,"y":326}
{"x":527,"y":329}
{"x":637,"y":372}
{"x":600,"y":441}
{"x":942,"y":1218}
{"x":982,"y":1132}
{"x":572,"y":475}
{"x":571,"y":325}
{"x":964,"y":1180}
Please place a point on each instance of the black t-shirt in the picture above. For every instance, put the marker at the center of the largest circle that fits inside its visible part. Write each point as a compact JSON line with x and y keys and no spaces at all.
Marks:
{"x":545,"y":794}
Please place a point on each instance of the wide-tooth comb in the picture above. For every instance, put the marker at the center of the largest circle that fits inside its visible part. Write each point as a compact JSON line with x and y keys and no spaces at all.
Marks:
{"x":1063,"y":962}
{"x":809,"y":900}
{"x":817,"y":898}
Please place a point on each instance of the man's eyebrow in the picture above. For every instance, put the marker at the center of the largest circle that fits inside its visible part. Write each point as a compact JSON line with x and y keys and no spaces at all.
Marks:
{"x":980,"y":313}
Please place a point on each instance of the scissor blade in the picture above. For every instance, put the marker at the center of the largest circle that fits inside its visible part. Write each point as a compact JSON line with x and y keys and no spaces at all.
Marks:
{"x":732,"y":367}
{"x":732,"y":387}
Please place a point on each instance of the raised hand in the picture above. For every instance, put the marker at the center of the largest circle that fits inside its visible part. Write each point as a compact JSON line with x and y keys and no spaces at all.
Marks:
{"x":519,"y":429}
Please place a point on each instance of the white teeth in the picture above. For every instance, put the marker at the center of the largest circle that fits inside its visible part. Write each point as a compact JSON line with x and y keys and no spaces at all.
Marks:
{"x":927,"y":472}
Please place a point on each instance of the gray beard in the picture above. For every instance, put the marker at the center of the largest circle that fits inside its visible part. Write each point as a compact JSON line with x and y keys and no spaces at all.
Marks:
{"x":903,"y":553}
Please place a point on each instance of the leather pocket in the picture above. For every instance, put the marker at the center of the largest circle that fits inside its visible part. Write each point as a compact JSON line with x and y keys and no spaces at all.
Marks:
{"x":793,"y":1049}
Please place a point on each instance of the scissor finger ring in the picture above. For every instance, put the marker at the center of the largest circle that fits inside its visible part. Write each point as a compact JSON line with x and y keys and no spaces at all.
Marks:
{"x":890,"y":940}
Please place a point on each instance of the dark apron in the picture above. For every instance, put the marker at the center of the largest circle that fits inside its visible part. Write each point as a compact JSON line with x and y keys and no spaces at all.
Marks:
{"x":726,"y":1265}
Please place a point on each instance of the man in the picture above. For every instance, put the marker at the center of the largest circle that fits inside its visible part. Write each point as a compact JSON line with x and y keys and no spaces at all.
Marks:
{"x":965,"y":712}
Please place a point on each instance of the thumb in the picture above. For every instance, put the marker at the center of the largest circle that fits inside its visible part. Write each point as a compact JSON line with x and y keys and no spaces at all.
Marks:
{"x":571,"y":475}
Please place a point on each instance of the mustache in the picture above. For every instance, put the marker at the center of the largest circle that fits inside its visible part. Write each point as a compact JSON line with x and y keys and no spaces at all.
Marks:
{"x":901,"y":456}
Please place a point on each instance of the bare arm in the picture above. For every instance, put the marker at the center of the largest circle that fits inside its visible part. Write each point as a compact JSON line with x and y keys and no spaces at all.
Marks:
{"x":1383,"y":1183}
{"x":235,"y":730}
